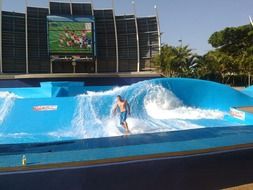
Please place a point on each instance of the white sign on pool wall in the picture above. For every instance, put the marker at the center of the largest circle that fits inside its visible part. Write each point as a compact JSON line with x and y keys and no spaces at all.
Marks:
{"x":45,"y":108}
{"x":237,"y":114}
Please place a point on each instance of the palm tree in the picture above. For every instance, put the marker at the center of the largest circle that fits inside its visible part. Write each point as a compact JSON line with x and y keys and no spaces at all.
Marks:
{"x":185,"y":61}
{"x":164,"y":60}
{"x":176,"y":61}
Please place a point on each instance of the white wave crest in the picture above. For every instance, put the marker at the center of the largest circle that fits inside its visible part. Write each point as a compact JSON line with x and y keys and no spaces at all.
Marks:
{"x":165,"y":112}
{"x":7,"y":101}
{"x":160,"y":103}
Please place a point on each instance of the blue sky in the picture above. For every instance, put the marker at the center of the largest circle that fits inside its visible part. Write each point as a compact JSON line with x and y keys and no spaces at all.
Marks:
{"x":191,"y":21}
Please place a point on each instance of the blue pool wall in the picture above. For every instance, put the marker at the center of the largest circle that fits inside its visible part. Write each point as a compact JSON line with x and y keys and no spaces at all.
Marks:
{"x":52,"y":89}
{"x":39,"y":122}
{"x":248,"y":91}
{"x":206,"y":94}
{"x":195,"y":93}
{"x":89,"y":81}
{"x":226,"y":169}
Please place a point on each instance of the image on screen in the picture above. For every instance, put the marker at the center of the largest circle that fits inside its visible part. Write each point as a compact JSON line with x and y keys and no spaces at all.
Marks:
{"x":70,"y":37}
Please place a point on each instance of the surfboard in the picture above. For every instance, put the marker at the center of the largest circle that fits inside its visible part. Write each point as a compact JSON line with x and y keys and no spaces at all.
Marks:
{"x":122,"y":130}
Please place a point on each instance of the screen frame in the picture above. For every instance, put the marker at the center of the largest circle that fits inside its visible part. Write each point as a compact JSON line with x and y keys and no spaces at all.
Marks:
{"x":83,"y":19}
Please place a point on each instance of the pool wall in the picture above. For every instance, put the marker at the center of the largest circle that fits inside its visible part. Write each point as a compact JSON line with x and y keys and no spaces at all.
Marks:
{"x":208,"y":171}
{"x":211,"y":159}
{"x":53,"y":105}
{"x":93,"y":80}
{"x":206,"y":94}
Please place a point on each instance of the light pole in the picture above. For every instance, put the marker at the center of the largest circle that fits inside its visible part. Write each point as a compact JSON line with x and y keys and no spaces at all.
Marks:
{"x":158,"y":27}
{"x":251,"y":21}
{"x":116,"y":36}
{"x":137,"y":37}
{"x":181,"y":43}
{"x":249,"y":77}
{"x":49,"y":10}
{"x":71,"y":7}
{"x":26,"y":40}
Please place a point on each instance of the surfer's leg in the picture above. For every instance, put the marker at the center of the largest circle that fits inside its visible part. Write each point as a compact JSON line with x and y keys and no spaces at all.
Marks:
{"x":126,"y":127}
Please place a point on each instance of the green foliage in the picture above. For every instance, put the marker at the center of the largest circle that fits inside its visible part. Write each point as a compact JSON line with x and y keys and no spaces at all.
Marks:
{"x":176,"y":61}
{"x":231,"y":58}
{"x":234,"y":40}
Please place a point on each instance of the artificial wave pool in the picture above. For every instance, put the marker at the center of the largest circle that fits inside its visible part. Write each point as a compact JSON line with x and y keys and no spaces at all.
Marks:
{"x":70,"y":110}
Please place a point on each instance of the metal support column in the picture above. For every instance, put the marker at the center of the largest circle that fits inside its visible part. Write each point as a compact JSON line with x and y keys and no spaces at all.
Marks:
{"x":1,"y":55}
{"x":116,"y":36}
{"x":49,"y":10}
{"x":26,"y":40}
{"x":51,"y":65}
{"x":158,"y":28}
{"x":251,"y":21}
{"x":71,"y":7}
{"x":50,"y":61}
{"x":137,"y":37}
{"x":249,"y":74}
{"x":94,"y":45}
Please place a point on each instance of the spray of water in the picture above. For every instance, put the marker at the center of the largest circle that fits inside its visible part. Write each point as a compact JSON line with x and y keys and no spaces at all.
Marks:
{"x":154,"y":109}
{"x":161,"y":103}
{"x":7,"y":100}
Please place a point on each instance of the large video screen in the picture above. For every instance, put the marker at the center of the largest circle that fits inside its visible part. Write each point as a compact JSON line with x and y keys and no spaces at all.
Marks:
{"x":70,"y":37}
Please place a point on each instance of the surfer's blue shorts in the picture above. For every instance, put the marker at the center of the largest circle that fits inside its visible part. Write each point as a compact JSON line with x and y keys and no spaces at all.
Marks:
{"x":123,"y":117}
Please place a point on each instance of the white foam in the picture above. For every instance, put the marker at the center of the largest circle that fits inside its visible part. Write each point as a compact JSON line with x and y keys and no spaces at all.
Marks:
{"x":183,"y":113}
{"x":161,"y":103}
{"x":106,"y":93}
{"x":154,"y":109}
{"x":7,"y":103}
{"x":14,"y":135}
{"x":6,"y":94}
{"x":161,"y":98}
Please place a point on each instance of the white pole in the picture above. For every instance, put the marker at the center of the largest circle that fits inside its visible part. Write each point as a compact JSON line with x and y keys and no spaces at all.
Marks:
{"x":251,"y":20}
{"x":94,"y":50}
{"x":116,"y":37}
{"x":1,"y":57}
{"x":92,"y":7}
{"x":249,"y":77}
{"x":50,"y":61}
{"x":71,"y":7}
{"x":137,"y":37}
{"x":51,"y":65}
{"x":158,"y":28}
{"x":26,"y":39}
{"x":49,"y":10}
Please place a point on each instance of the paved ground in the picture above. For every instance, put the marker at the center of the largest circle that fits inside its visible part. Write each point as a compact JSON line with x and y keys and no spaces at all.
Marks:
{"x":242,"y":187}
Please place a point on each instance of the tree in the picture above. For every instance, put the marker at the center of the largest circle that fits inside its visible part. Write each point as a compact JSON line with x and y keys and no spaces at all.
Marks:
{"x":233,"y":40}
{"x":176,"y":61}
{"x":234,"y":48}
{"x":232,"y":57}
{"x":163,"y":61}
{"x":220,"y":65}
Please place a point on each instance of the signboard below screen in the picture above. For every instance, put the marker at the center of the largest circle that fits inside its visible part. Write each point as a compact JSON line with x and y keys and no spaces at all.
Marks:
{"x":70,"y":37}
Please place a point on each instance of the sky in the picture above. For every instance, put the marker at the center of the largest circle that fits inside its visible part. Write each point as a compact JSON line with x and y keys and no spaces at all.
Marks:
{"x":192,"y":21}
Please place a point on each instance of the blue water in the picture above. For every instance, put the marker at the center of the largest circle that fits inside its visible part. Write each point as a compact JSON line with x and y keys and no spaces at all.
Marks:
{"x":156,"y":106}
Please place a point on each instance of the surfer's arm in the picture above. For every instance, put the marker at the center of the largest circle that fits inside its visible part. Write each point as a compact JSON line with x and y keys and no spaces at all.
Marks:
{"x":114,"y":109}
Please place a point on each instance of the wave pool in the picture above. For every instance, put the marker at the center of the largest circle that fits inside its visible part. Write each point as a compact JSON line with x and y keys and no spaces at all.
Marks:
{"x":60,"y":111}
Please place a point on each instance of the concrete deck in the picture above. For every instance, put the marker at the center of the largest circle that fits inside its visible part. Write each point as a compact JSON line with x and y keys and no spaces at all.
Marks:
{"x":246,"y":109}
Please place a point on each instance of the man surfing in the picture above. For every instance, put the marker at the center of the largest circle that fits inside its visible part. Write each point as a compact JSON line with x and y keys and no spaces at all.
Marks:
{"x":124,"y":110}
